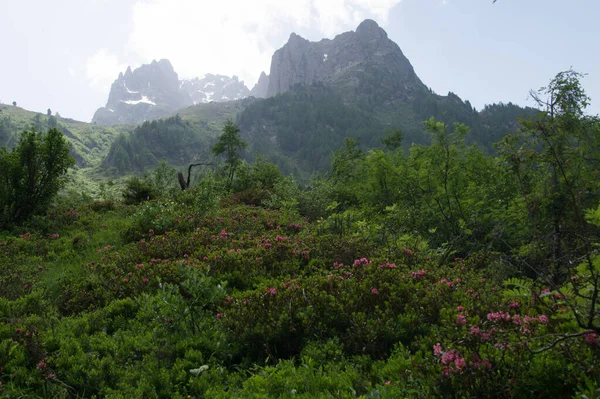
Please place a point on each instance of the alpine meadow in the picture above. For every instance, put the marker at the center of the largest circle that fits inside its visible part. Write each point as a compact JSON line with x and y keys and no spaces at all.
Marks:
{"x":339,"y":230}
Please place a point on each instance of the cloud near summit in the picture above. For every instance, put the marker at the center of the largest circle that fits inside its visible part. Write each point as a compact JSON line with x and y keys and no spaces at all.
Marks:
{"x":238,"y":37}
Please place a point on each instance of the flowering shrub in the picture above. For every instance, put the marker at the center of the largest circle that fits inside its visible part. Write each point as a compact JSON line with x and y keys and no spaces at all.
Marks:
{"x":228,"y":292}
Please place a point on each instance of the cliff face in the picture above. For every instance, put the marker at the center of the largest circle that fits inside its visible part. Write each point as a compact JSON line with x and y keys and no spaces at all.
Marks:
{"x":154,"y":90}
{"x":261,"y":87}
{"x":355,"y":62}
{"x":218,"y":88}
{"x":149,"y":92}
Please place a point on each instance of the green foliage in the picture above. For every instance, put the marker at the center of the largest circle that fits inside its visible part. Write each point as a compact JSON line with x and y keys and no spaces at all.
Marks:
{"x":32,"y":174}
{"x":397,"y":275}
{"x":172,"y":139}
{"x":229,"y":144}
{"x":137,"y":191}
{"x":553,"y":159}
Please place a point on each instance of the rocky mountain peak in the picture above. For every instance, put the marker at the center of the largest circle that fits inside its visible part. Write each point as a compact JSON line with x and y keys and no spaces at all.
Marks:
{"x":261,"y":87}
{"x":216,"y":88}
{"x":370,"y":29}
{"x":355,"y":62}
{"x":154,"y":90}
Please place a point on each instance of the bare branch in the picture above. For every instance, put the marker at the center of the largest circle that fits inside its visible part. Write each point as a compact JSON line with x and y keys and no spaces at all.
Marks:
{"x":563,"y":338}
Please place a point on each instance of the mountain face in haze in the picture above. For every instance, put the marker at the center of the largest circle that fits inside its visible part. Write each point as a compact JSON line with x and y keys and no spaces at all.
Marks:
{"x":154,"y":90}
{"x":149,"y":92}
{"x":361,"y":62}
{"x":358,"y":85}
{"x":261,"y":87}
{"x":216,"y":88}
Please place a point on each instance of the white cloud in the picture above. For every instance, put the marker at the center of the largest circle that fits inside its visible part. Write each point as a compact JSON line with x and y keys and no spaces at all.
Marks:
{"x":238,"y":36}
{"x":102,"y":69}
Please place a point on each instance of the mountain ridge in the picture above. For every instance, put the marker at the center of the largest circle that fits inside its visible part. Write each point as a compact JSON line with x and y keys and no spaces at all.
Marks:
{"x":154,"y":91}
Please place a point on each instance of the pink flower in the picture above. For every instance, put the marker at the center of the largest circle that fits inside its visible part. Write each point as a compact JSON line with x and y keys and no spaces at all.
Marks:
{"x":125,"y":280}
{"x":460,"y":363}
{"x":514,"y":305}
{"x":419,"y":273}
{"x":41,"y":365}
{"x":475,"y":331}
{"x":498,"y":316}
{"x":591,"y":339}
{"x":51,"y":376}
{"x":272,"y":291}
{"x":388,"y":382}
{"x":460,"y":308}
{"x":219,"y":316}
{"x":461,"y":320}
{"x":437,"y":349}
{"x":374,"y":291}
{"x":145,"y":280}
{"x":543,"y":319}
{"x":40,"y":267}
{"x":517,"y":320}
{"x":448,"y":357}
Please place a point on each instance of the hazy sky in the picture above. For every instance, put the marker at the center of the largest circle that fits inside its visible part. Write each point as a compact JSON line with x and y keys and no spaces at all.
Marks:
{"x":64,"y":54}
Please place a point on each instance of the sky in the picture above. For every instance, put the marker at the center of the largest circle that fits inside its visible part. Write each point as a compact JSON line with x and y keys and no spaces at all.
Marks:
{"x":64,"y":54}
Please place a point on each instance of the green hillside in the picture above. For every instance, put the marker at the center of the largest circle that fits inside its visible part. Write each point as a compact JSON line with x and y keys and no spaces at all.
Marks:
{"x":90,"y":143}
{"x":178,"y":140}
{"x":444,"y":272}
{"x":299,"y":130}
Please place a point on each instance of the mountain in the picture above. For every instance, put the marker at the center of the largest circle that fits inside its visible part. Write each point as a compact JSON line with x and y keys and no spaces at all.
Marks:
{"x":357,"y":85}
{"x":216,"y":88}
{"x":154,"y":90}
{"x":149,"y":92}
{"x":363,"y":63}
{"x":261,"y":87}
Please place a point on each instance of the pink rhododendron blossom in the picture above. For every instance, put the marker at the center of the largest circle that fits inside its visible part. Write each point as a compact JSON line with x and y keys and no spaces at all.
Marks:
{"x":374,"y":291}
{"x":591,"y":339}
{"x":419,"y":273}
{"x":461,"y":320}
{"x":460,"y":363}
{"x":498,"y":316}
{"x":449,"y":356}
{"x":543,"y":319}
{"x":437,"y":349}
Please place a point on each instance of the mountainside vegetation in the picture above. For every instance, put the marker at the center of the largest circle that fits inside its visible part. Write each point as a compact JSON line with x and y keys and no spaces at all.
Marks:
{"x":441,"y":268}
{"x":89,"y":142}
{"x":300,"y":129}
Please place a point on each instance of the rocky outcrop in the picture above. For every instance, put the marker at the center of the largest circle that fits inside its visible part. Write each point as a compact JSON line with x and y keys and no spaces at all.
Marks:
{"x":361,"y":62}
{"x":149,"y":92}
{"x":261,"y":87}
{"x":216,"y":88}
{"x":154,"y":90}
